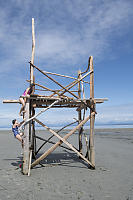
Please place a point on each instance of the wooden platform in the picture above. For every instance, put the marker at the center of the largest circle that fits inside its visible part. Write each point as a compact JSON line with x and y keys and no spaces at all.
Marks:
{"x":44,"y":101}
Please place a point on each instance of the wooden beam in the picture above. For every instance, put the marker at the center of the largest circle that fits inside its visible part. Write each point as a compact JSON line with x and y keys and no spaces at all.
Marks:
{"x":63,"y":76}
{"x":11,"y":101}
{"x":60,"y":75}
{"x":60,"y":142}
{"x":100,"y":100}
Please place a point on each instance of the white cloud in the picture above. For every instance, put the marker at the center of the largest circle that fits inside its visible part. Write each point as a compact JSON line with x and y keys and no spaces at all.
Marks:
{"x":67,"y":33}
{"x":59,"y":116}
{"x":8,"y":113}
{"x":115,"y":114}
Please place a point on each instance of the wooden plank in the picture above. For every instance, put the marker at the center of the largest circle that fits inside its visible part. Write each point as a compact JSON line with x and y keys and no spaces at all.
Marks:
{"x":26,"y":140}
{"x":63,"y":103}
{"x":60,"y":142}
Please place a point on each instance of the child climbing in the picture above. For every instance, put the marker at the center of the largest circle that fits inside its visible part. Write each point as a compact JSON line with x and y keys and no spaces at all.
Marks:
{"x":15,"y":130}
{"x":26,"y":93}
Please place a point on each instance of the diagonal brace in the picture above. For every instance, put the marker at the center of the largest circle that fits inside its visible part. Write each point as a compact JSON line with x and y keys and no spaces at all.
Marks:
{"x":45,"y":109}
{"x":61,"y":141}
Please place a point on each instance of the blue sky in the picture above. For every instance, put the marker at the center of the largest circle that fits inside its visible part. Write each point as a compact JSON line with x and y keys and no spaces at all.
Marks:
{"x":67,"y":32}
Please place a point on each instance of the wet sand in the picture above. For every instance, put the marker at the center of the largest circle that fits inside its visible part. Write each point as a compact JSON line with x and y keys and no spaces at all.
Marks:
{"x":64,"y":176}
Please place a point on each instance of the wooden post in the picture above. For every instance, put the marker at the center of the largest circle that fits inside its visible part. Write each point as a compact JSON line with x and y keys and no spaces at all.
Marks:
{"x":32,"y":80}
{"x":92,"y":116}
{"x":26,"y":139}
{"x":79,"y":114}
{"x":33,"y":138}
{"x":33,"y":53}
{"x":28,"y":133}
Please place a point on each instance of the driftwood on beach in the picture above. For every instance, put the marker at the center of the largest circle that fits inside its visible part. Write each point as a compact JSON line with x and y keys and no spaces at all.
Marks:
{"x":64,"y":97}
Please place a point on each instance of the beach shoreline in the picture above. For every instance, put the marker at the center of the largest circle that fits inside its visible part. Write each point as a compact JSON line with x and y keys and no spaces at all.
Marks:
{"x":65,"y":176}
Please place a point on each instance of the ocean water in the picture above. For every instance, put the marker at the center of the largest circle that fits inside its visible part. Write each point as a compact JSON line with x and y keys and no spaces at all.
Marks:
{"x":104,"y":126}
{"x":113,"y":126}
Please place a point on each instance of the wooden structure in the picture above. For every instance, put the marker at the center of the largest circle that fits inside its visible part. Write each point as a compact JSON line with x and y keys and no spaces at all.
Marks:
{"x":62,"y":97}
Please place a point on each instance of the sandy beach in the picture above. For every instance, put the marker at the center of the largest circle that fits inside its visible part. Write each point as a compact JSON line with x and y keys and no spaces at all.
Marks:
{"x":65,"y":176}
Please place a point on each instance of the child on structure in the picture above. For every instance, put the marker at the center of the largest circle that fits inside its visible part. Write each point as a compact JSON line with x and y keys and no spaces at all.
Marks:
{"x":26,"y":93}
{"x":15,"y":130}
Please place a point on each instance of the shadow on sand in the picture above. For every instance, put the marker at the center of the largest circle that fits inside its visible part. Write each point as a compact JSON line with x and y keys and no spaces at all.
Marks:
{"x":54,"y":159}
{"x":63,"y":159}
{"x":15,"y":162}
